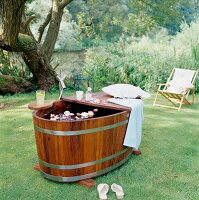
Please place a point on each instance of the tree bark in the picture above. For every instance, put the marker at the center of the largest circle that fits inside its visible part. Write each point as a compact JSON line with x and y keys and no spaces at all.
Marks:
{"x":12,"y":11}
{"x":42,"y":71}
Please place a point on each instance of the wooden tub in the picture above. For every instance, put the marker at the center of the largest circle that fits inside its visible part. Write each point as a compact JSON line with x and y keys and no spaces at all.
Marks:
{"x":70,"y":151}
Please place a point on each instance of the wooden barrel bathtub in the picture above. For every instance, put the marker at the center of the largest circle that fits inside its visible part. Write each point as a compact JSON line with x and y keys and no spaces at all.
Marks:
{"x":70,"y":151}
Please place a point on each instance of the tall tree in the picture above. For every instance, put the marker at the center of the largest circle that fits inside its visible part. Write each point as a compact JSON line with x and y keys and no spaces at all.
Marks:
{"x":110,"y":18}
{"x":17,"y":36}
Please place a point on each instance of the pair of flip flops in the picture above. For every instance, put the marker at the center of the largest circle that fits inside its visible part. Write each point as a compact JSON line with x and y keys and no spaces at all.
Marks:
{"x":103,"y":189}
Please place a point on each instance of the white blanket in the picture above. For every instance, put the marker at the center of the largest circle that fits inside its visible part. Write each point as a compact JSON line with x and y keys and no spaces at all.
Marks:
{"x":134,"y":128}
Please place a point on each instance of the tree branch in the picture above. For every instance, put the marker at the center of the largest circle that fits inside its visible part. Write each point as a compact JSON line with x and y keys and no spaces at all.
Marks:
{"x":29,"y":20}
{"x":53,"y":29}
{"x":21,"y":5}
{"x":24,"y":43}
{"x":54,"y":26}
{"x":25,"y":23}
{"x":25,"y":28}
{"x":43,"y":26}
{"x":64,"y":3}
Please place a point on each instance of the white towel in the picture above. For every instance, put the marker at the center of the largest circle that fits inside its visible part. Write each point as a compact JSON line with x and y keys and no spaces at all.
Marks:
{"x":134,"y":128}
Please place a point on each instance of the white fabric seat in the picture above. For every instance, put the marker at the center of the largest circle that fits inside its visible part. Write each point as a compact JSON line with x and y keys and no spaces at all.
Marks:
{"x":181,"y":81}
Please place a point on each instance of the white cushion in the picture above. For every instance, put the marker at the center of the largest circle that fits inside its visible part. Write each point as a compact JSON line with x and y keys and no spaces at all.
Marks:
{"x":125,"y":91}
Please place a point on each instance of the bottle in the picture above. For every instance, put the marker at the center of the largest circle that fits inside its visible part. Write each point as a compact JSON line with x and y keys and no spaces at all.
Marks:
{"x":88,"y":95}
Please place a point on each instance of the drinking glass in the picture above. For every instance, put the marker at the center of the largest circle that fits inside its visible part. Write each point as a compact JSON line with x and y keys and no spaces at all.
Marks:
{"x":79,"y":95}
{"x":40,"y":96}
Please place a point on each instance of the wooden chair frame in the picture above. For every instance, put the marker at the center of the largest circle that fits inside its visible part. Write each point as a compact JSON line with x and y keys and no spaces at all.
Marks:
{"x":176,"y":99}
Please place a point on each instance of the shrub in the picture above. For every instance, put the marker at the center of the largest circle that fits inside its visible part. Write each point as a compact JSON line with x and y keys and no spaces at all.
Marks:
{"x":144,"y":61}
{"x":12,"y":64}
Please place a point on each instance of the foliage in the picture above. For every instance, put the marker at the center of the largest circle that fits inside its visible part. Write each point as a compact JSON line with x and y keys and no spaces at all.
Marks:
{"x":85,"y":27}
{"x":160,"y":13}
{"x":84,"y":22}
{"x":4,"y":62}
{"x":109,"y":19}
{"x":144,"y":61}
{"x":12,"y":64}
{"x":26,"y":41}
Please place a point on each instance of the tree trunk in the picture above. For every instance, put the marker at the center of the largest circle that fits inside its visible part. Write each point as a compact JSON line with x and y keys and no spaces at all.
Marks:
{"x":51,"y":36}
{"x":39,"y":65}
{"x":12,"y":11}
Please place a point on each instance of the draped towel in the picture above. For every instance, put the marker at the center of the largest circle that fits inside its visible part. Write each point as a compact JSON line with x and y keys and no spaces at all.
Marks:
{"x":134,"y":128}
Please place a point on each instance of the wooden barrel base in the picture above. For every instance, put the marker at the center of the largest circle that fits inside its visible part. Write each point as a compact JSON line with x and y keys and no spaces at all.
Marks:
{"x":36,"y":167}
{"x":85,"y":176}
{"x":136,"y":152}
{"x":88,"y":183}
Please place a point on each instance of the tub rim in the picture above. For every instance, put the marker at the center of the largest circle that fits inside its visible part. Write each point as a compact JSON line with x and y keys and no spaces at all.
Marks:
{"x":90,"y":119}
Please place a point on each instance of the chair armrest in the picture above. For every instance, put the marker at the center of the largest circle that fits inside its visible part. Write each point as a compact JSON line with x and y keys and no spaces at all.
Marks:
{"x":191,"y":89}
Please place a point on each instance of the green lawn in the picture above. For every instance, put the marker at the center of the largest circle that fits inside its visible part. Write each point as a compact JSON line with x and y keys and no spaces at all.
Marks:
{"x":167,"y":169}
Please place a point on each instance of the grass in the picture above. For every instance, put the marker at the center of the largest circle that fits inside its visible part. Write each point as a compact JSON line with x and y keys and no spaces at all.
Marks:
{"x":167,"y":168}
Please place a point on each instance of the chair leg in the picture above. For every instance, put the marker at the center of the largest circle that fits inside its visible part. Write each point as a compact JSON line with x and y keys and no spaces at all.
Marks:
{"x":155,"y":99}
{"x":181,"y":103}
{"x":193,"y":96}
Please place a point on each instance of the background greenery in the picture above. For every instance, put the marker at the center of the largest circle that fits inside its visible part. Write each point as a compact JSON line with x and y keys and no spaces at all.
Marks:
{"x":167,"y":168}
{"x":137,"y":42}
{"x":144,"y":61}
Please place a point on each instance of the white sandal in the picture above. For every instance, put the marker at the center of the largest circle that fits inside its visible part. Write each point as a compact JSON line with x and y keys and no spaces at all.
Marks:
{"x":118,"y":190}
{"x":102,"y":191}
